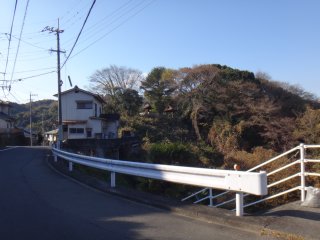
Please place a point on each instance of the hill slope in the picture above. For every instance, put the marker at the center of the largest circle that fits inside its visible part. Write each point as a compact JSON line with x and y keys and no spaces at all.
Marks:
{"x":44,"y":115}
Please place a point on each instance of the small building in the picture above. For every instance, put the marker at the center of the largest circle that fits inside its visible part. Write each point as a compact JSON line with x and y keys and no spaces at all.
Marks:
{"x":82,"y":116}
{"x":6,"y":121}
{"x":51,"y":136}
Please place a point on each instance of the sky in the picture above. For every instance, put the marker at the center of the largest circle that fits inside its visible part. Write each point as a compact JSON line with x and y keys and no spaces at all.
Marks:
{"x":279,"y":37}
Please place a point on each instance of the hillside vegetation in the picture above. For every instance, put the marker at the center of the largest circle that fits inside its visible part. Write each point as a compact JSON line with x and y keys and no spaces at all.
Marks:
{"x":221,"y":115}
{"x":44,"y":115}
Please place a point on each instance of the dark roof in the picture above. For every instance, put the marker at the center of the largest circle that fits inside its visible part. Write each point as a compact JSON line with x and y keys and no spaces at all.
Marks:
{"x":169,"y":109}
{"x":6,"y":117}
{"x":5,"y":103}
{"x":147,"y":106}
{"x":77,"y":89}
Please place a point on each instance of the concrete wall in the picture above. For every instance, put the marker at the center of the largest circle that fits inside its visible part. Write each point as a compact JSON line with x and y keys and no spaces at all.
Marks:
{"x":107,"y":148}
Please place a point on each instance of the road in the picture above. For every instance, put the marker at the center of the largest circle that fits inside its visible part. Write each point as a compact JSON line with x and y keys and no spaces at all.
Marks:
{"x":39,"y":203}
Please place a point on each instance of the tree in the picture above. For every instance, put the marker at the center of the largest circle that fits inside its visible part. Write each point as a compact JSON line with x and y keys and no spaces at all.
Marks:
{"x":192,"y":98}
{"x":129,"y":101}
{"x":158,"y":87}
{"x":112,"y":79}
{"x":308,"y":126}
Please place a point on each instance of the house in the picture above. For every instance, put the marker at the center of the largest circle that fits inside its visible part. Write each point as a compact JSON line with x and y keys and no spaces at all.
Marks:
{"x":51,"y":137}
{"x":6,"y":121}
{"x":82,"y":116}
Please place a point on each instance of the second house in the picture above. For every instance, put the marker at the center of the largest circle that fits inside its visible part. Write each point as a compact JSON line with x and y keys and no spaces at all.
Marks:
{"x":82,"y":116}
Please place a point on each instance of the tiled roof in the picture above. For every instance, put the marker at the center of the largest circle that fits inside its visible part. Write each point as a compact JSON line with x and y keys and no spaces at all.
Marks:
{"x":77,"y":89}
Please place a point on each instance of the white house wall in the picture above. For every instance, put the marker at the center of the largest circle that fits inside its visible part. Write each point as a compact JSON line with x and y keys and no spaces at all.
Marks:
{"x":69,"y":106}
{"x":87,"y":119}
{"x":3,"y":124}
{"x":77,"y":135}
{"x":96,"y":126}
{"x":4,"y":108}
{"x":111,"y":128}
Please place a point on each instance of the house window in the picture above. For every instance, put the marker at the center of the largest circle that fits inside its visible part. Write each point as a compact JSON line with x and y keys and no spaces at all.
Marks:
{"x":76,"y":130}
{"x":65,"y":128}
{"x":84,"y":104}
{"x":95,"y":110}
{"x":89,"y":132}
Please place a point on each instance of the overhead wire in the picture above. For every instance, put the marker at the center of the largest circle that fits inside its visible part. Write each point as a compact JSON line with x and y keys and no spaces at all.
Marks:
{"x":113,"y":29}
{"x":84,"y":23}
{"x":36,"y":70}
{"x":121,"y":12}
{"x":17,"y":100}
{"x":101,"y":22}
{"x":76,"y":17}
{"x":12,"y":22}
{"x":117,"y":15}
{"x":23,"y":22}
{"x":33,"y":76}
{"x":33,"y":45}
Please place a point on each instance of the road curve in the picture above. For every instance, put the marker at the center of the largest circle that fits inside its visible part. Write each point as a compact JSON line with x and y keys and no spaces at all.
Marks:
{"x":38,"y":203}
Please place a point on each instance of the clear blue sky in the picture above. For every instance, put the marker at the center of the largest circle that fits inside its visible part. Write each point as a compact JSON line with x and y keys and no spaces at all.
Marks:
{"x":280,"y":38}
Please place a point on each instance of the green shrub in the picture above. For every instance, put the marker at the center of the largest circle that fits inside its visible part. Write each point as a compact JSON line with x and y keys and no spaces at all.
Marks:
{"x":170,"y":153}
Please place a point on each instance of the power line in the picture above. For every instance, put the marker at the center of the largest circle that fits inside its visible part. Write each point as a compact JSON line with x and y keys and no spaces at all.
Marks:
{"x":33,"y":76}
{"x":24,"y":18}
{"x":74,"y":15}
{"x":126,"y":10}
{"x":14,"y":97}
{"x":116,"y":15}
{"x":89,"y":28}
{"x":8,"y":52}
{"x":29,"y":43}
{"x":113,"y":29}
{"x":84,"y":23}
{"x":36,"y":70}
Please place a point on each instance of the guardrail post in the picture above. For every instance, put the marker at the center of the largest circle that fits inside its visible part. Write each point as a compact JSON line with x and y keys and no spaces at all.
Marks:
{"x":302,"y":173}
{"x":239,"y":204}
{"x":113,"y":179}
{"x":70,"y":166}
{"x":210,"y":197}
{"x":55,"y":158}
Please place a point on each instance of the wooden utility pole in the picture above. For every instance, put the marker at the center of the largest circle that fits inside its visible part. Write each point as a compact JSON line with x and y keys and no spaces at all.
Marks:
{"x":57,"y":31}
{"x":31,"y":95}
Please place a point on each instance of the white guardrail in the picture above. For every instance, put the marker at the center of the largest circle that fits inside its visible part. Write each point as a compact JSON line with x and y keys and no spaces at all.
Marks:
{"x":237,"y":181}
{"x":296,"y":156}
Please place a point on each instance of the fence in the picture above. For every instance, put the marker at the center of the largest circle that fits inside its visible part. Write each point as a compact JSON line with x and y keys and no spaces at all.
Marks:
{"x":236,"y":181}
{"x":302,"y":173}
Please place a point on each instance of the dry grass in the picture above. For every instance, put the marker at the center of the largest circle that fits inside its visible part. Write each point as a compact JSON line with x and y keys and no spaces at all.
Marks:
{"x":280,"y":235}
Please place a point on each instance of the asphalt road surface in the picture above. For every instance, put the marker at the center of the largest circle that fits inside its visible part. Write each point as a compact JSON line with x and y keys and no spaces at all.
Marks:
{"x":39,"y":203}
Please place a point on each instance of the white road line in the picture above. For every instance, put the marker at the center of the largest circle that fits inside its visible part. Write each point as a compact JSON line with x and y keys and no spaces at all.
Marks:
{"x":9,"y":148}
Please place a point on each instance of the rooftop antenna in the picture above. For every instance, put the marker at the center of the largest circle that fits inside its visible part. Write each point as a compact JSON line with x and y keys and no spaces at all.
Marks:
{"x":70,"y":81}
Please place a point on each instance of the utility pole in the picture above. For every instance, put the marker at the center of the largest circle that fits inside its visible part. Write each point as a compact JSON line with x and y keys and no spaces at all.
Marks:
{"x":31,"y":95}
{"x":57,"y":31}
{"x":42,"y":128}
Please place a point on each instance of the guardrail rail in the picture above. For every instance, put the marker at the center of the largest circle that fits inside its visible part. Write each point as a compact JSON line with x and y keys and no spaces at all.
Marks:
{"x":236,"y":181}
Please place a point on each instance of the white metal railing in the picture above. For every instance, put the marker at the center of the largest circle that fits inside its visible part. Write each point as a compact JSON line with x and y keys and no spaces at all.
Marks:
{"x":237,"y":181}
{"x":302,"y":160}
